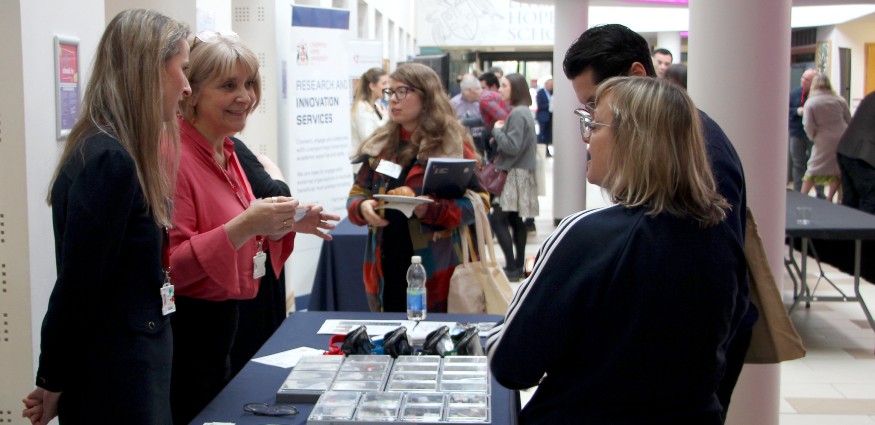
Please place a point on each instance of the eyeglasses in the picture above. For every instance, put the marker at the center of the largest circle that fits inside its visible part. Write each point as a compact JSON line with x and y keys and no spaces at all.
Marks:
{"x":264,"y":409}
{"x":400,"y":93}
{"x":210,"y":36}
{"x":586,"y":120}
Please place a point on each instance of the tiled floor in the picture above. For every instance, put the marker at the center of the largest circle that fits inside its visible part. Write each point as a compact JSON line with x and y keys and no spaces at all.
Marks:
{"x":834,"y":384}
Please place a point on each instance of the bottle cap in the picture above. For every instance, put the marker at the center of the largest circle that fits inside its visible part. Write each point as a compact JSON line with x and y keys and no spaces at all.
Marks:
{"x":416,"y":259}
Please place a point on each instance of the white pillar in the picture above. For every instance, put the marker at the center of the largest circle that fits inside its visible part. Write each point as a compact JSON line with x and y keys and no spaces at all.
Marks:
{"x":750,"y":105}
{"x":569,"y":161}
{"x":671,"y":41}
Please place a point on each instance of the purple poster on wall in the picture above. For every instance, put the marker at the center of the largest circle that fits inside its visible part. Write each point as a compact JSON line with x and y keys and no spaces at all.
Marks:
{"x":66,"y":84}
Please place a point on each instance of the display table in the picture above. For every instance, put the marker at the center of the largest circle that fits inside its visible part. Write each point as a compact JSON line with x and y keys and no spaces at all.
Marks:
{"x":258,"y":383}
{"x":338,"y":285}
{"x":829,"y":222}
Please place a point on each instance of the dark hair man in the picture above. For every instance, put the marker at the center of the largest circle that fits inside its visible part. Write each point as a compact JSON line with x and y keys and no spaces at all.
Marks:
{"x":662,"y":59}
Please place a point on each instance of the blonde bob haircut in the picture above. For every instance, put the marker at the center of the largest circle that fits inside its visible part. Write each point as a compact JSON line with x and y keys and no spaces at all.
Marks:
{"x":659,"y":160}
{"x":214,"y":60}
{"x":821,"y":82}
{"x":124,"y":99}
{"x":438,"y":134}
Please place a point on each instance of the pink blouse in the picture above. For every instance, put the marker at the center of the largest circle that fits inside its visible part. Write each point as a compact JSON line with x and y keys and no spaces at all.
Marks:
{"x":203,"y":261}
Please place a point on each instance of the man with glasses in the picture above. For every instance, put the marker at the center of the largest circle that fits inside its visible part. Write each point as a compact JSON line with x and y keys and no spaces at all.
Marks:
{"x":612,"y":50}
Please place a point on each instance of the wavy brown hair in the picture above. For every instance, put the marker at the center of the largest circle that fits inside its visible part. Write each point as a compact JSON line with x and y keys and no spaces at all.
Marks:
{"x":124,"y":100}
{"x":438,"y":133}
{"x":659,"y":159}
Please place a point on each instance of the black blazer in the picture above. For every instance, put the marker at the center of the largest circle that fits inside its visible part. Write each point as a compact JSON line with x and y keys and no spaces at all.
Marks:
{"x":105,"y":342}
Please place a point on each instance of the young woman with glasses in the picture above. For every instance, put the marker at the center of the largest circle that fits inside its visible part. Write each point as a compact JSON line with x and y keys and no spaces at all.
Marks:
{"x":423,"y":125}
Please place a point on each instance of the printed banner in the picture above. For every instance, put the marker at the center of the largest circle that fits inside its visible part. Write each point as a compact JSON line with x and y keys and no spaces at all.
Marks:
{"x":318,"y":107}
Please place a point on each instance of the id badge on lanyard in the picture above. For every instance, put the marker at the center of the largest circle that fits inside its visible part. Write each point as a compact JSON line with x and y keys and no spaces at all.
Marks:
{"x":168,"y":300}
{"x":258,"y":261}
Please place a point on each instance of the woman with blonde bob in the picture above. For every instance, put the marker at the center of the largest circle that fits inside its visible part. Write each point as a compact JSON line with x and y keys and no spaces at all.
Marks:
{"x":825,"y":118}
{"x":106,"y":344}
{"x":651,"y":283}
{"x":222,"y":237}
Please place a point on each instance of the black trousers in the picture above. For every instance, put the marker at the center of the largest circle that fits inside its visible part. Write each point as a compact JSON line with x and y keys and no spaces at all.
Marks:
{"x":203,"y":334}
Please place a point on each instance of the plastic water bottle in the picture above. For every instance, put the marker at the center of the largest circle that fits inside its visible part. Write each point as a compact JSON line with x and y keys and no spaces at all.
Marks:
{"x":416,"y":295}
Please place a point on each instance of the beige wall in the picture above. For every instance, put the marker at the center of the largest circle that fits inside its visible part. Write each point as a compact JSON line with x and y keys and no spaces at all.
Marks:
{"x":28,"y":153}
{"x":853,"y":35}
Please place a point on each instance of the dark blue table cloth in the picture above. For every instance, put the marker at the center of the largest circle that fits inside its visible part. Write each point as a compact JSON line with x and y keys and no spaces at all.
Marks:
{"x":833,"y":231}
{"x":258,"y":383}
{"x":337,"y":285}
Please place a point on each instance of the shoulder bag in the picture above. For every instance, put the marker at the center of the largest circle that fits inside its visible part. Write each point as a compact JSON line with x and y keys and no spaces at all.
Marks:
{"x":479,"y":287}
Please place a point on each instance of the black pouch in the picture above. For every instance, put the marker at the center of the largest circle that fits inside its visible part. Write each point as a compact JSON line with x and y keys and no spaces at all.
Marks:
{"x":397,"y":343}
{"x":438,"y":342}
{"x":467,"y":342}
{"x":357,"y":342}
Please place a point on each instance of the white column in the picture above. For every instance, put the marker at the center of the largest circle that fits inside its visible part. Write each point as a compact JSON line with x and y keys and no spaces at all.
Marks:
{"x":569,"y":161}
{"x":752,"y":112}
{"x":671,"y":41}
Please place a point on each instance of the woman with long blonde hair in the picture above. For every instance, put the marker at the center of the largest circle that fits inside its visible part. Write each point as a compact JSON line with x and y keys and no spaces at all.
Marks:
{"x":106,"y":342}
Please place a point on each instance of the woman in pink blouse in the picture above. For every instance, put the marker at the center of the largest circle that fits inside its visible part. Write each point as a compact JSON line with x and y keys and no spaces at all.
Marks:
{"x":222,"y":236}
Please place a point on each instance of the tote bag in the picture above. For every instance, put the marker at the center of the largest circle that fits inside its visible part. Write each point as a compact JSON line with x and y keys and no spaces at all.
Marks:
{"x":478,"y":287}
{"x":773,"y":338}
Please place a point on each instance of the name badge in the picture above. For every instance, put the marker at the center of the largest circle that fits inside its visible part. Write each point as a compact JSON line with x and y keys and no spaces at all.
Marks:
{"x":258,"y":261}
{"x":389,"y":168}
{"x":168,"y":302}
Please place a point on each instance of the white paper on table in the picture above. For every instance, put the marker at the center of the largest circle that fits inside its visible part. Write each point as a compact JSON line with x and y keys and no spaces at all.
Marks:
{"x":288,"y":359}
{"x":375,"y":327}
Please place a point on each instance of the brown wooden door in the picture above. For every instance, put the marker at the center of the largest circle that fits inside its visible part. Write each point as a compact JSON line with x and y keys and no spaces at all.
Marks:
{"x":870,"y":67}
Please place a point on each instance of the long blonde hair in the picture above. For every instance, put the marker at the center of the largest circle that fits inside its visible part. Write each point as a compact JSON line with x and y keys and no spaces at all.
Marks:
{"x":124,"y":100}
{"x":658,"y":159}
{"x":439,"y":133}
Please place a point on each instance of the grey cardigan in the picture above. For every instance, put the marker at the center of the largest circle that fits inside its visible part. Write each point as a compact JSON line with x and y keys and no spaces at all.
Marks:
{"x":516,"y":141}
{"x":859,"y":139}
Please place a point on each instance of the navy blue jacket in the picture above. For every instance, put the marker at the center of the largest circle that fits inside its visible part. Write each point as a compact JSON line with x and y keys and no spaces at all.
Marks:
{"x":543,"y":114}
{"x":795,"y":122}
{"x":628,"y":316}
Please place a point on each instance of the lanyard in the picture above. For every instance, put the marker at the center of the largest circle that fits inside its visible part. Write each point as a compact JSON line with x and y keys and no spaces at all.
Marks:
{"x":165,"y":255}
{"x":258,"y":238}
{"x":231,"y":183}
